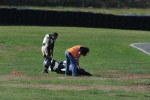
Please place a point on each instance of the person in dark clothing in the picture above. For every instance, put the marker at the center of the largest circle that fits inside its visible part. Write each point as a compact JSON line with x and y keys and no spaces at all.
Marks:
{"x":47,"y":49}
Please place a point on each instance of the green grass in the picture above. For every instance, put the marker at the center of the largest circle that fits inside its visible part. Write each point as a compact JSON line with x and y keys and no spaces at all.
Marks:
{"x":110,"y":60}
{"x":90,"y":9}
{"x":40,"y":94}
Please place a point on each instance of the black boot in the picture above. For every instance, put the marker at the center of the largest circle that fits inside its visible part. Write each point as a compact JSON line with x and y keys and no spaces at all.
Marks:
{"x":45,"y":69}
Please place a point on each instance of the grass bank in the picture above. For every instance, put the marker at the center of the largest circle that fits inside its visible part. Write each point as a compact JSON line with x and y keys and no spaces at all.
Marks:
{"x":132,"y":11}
{"x":118,"y":70}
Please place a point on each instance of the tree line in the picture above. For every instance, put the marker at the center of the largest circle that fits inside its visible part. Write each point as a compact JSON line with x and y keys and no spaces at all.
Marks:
{"x":79,"y":3}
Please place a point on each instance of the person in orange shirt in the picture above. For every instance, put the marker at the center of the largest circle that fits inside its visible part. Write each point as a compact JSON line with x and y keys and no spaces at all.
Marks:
{"x":72,"y":58}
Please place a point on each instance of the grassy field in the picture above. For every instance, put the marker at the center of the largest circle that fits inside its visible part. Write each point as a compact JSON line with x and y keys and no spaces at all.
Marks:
{"x":119,"y":71}
{"x":136,"y":11}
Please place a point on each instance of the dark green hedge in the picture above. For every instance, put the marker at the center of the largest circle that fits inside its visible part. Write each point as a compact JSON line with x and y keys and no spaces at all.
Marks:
{"x":80,"y":3}
{"x":14,"y":16}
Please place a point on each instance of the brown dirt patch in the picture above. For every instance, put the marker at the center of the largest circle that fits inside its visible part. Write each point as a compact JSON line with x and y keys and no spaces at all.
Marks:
{"x":144,"y":87}
{"x":138,"y":88}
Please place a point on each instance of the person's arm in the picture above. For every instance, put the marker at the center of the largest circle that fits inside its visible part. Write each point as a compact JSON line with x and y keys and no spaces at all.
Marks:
{"x":77,"y":59}
{"x":52,"y":48}
{"x":46,"y":50}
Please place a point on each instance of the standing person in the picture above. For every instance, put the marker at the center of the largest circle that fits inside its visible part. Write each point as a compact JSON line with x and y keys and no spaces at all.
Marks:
{"x":72,"y":58}
{"x":47,"y":49}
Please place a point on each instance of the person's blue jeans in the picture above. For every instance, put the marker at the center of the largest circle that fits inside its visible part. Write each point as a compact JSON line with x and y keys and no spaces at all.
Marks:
{"x":70,"y":60}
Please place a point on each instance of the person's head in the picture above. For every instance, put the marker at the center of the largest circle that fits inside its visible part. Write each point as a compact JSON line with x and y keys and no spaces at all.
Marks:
{"x":55,"y":35}
{"x":85,"y":50}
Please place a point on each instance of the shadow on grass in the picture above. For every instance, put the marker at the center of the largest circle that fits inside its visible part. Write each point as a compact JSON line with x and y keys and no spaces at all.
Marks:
{"x":80,"y":72}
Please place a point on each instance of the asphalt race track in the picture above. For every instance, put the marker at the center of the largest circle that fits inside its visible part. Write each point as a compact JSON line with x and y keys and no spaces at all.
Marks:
{"x":144,"y":47}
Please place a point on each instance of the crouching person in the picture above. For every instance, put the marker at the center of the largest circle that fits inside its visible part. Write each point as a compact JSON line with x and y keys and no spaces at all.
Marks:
{"x":47,"y":49}
{"x":72,"y":58}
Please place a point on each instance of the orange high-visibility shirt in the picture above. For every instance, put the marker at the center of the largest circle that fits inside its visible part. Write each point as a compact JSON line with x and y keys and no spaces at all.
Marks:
{"x":74,"y":50}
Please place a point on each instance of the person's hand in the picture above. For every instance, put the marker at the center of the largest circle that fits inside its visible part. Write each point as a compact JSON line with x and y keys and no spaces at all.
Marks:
{"x":52,"y":54}
{"x":78,"y":67}
{"x":47,"y":56}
